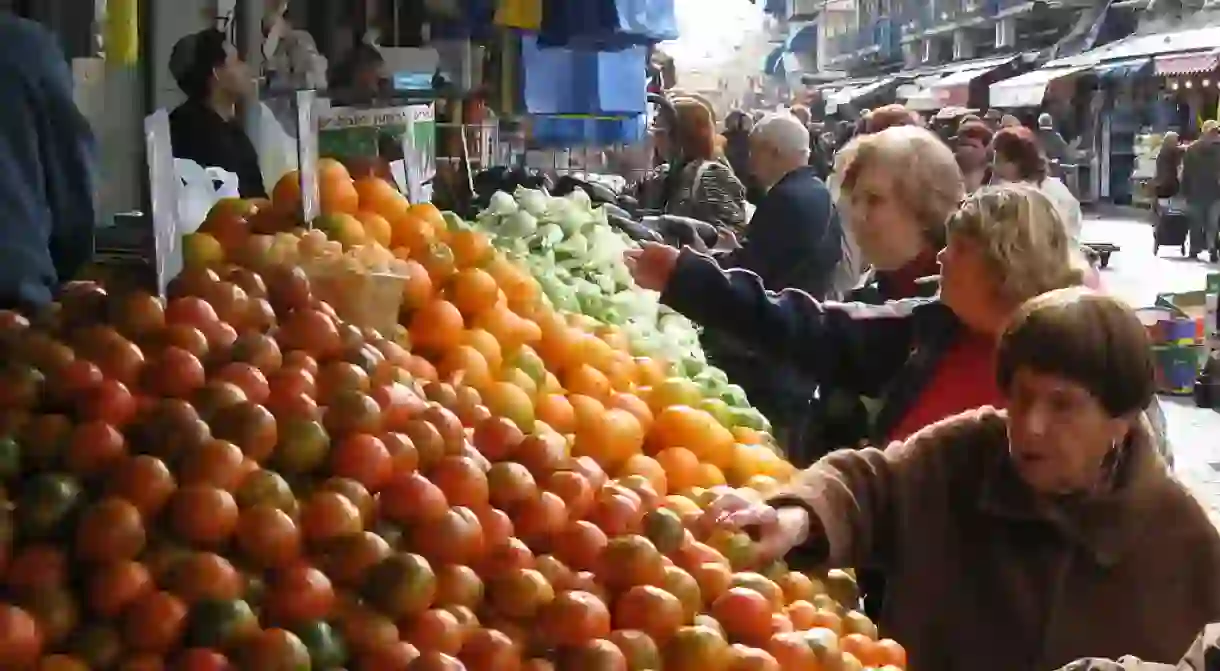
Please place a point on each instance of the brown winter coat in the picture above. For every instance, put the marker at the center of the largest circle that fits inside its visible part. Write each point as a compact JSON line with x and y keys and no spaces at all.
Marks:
{"x":982,"y":576}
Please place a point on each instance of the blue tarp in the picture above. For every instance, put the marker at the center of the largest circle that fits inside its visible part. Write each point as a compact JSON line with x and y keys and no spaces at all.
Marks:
{"x":804,"y":40}
{"x":607,"y":24}
{"x":561,"y":80}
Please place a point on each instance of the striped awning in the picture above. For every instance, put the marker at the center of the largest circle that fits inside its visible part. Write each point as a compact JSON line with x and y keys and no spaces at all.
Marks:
{"x":1188,"y":64}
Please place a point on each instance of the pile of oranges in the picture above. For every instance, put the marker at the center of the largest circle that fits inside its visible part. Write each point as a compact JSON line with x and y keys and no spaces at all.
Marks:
{"x":235,"y":478}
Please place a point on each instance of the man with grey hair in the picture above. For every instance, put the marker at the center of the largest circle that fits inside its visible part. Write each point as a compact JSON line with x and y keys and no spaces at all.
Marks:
{"x":1053,"y":144}
{"x":794,"y":241}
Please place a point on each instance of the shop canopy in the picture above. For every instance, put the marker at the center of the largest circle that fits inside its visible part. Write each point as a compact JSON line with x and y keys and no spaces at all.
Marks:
{"x":1187,"y":64}
{"x":918,"y":95}
{"x":1124,"y":69}
{"x":954,"y":89}
{"x":1027,"y":90}
{"x":850,"y":94}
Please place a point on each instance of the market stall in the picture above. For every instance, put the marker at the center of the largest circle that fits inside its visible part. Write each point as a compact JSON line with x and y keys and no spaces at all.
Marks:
{"x":340,"y":428}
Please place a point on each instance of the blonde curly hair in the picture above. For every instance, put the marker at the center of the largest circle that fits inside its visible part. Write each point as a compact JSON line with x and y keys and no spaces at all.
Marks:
{"x":925,"y":173}
{"x":1022,"y":237}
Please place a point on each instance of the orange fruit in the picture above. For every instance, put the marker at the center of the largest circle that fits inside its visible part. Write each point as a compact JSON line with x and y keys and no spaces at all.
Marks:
{"x":557,"y":412}
{"x":651,"y":610}
{"x":411,"y":233}
{"x":379,"y":196}
{"x":437,"y":325}
{"x":744,"y":614}
{"x":470,"y":248}
{"x":681,"y":468}
{"x":695,"y":648}
{"x":376,"y":228}
{"x":286,"y":195}
{"x":473,"y":291}
{"x":337,"y":193}
{"x":696,"y":430}
{"x":417,"y":289}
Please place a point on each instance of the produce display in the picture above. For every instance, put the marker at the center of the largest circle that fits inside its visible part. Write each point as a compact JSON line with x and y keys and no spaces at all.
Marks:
{"x":236,"y":477}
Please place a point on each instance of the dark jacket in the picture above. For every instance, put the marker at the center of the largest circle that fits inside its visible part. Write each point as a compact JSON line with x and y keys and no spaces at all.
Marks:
{"x":982,"y":574}
{"x":794,"y":241}
{"x":1168,"y":163}
{"x":882,"y":351}
{"x":1201,"y":170}
{"x":198,"y":133}
{"x":1053,"y":144}
{"x":46,"y":168}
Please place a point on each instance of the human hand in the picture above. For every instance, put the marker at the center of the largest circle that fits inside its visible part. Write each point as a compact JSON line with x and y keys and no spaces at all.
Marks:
{"x":651,"y":265}
{"x":776,"y":530}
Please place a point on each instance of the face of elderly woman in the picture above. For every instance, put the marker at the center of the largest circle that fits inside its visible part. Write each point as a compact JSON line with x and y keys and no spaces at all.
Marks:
{"x":883,"y":225}
{"x":1077,"y":372}
{"x":1059,"y":434}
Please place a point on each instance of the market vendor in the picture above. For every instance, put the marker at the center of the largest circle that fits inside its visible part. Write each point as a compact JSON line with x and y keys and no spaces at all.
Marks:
{"x":1025,"y":539}
{"x":47,"y":153}
{"x":206,"y":128}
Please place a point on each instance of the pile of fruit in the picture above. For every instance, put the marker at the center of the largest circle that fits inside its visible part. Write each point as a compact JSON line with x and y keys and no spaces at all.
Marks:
{"x":237,"y":478}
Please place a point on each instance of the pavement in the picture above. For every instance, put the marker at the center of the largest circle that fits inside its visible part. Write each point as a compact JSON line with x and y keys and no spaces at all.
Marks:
{"x":1137,"y":275}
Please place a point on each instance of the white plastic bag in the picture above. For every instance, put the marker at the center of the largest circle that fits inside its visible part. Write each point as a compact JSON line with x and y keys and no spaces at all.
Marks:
{"x":201,"y":188}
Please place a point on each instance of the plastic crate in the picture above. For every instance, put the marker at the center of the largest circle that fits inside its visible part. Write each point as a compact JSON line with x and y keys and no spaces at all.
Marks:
{"x":366,"y":300}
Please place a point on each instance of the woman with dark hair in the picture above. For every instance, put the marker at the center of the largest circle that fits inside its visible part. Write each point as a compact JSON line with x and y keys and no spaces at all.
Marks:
{"x":702,"y":185}
{"x":1021,"y":539}
{"x":1018,"y":157}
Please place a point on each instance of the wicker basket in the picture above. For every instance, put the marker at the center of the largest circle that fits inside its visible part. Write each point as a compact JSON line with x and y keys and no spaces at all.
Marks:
{"x":367,"y":300}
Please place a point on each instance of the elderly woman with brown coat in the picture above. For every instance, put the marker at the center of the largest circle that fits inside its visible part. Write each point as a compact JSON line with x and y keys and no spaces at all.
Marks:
{"x":1018,"y":540}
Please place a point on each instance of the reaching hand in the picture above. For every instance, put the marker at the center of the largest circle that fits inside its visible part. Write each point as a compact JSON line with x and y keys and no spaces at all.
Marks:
{"x":651,"y":265}
{"x":777,"y":530}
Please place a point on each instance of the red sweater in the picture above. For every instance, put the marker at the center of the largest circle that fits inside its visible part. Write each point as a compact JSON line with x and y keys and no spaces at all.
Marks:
{"x":964,"y":379}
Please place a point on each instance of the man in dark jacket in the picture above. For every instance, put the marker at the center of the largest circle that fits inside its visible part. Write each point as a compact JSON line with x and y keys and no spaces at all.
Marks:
{"x":46,"y":158}
{"x":794,"y":241}
{"x":1201,"y":188}
{"x":205,"y":128}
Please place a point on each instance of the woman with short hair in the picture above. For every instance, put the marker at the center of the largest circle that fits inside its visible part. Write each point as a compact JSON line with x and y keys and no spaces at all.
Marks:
{"x":1016,"y":540}
{"x":925,"y":359}
{"x":1018,"y":157}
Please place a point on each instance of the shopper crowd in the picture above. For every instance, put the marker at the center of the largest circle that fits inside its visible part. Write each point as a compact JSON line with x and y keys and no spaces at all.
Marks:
{"x":977,"y":417}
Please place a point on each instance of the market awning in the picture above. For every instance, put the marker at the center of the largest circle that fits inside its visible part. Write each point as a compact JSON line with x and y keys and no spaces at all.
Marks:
{"x":1187,"y":64}
{"x":918,"y":95}
{"x":1027,"y":90}
{"x":1124,"y":69}
{"x":954,"y":89}
{"x":803,"y":39}
{"x":853,"y":93}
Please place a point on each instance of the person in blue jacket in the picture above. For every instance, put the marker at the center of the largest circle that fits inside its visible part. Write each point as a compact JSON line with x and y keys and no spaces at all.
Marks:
{"x":794,"y":241}
{"x":46,"y":165}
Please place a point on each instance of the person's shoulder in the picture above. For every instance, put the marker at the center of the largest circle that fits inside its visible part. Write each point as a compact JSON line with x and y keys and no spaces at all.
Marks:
{"x":971,"y":436}
{"x":25,"y":38}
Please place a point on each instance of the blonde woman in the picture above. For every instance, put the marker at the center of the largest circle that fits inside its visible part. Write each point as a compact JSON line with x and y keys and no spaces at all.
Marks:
{"x":925,"y":359}
{"x":1016,"y":540}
